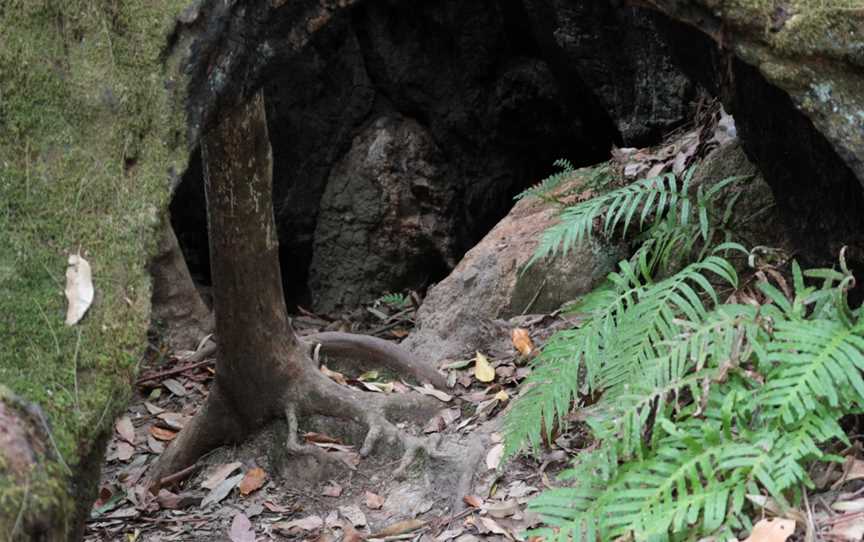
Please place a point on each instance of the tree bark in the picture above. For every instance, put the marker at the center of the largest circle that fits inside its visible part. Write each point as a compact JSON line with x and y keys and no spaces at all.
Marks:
{"x":177,"y":308}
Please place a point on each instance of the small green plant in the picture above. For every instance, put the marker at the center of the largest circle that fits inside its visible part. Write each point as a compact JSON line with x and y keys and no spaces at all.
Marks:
{"x":397,"y":300}
{"x":694,"y":403}
{"x":596,"y":179}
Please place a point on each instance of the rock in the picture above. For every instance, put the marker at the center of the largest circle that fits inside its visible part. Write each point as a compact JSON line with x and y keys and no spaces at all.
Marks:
{"x":386,"y":220}
{"x":489,"y":282}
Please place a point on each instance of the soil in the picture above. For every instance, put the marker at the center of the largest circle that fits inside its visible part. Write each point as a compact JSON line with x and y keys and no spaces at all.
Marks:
{"x":303,"y":497}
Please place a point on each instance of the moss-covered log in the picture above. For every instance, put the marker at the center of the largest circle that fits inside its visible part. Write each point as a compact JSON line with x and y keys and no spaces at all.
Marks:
{"x":88,"y":140}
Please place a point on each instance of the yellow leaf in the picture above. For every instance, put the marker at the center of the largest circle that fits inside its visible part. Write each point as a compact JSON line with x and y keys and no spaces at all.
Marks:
{"x":482,"y":370}
{"x":772,"y":530}
{"x":253,"y":480}
{"x":522,"y":341}
{"x":502,"y":396}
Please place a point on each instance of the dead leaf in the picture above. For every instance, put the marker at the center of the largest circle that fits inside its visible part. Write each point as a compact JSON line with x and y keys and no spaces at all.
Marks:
{"x":173,"y":420}
{"x":241,"y":529}
{"x":400,"y":527}
{"x":320,"y":438}
{"x":253,"y":480}
{"x":277,"y":508}
{"x":332,"y":490}
{"x":350,"y":534}
{"x":353,"y":514}
{"x":174,"y":387}
{"x":339,"y":378}
{"x":79,"y":288}
{"x":168,"y":500}
{"x":309,"y":523}
{"x":434,"y":425}
{"x":218,"y":475}
{"x":502,"y":509}
{"x":855,"y":505}
{"x":522,"y":341}
{"x":221,"y":491}
{"x":493,"y":526}
{"x":767,"y":503}
{"x":125,"y":429}
{"x":473,"y":501}
{"x":493,"y":458}
{"x":428,"y":389}
{"x":483,"y":371}
{"x":124,"y":451}
{"x":162,"y":434}
{"x":502,"y":396}
{"x":153,"y":409}
{"x":772,"y":530}
{"x":374,"y":501}
{"x":846,"y":527}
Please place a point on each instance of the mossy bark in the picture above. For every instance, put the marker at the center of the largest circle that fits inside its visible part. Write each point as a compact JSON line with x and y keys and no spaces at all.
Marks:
{"x":87,"y":140}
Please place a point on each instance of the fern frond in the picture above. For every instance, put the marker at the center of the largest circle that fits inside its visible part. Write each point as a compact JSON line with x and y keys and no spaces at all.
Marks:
{"x":551,"y":182}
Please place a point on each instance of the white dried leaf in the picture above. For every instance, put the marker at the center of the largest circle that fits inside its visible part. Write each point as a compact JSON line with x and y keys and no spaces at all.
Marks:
{"x":79,"y":288}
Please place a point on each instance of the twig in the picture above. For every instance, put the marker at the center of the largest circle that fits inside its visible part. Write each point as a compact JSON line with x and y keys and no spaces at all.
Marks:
{"x":173,"y":371}
{"x":534,"y":299}
{"x":178,"y":476}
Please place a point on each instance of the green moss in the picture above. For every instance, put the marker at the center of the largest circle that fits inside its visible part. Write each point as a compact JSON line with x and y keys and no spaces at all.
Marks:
{"x":87,"y":140}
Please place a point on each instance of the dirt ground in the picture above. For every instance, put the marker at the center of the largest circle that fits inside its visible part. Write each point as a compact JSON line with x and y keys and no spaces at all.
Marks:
{"x":256,"y":490}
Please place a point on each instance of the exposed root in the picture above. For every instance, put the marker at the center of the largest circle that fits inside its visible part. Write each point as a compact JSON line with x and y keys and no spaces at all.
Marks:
{"x":295,"y":447}
{"x":372,"y":351}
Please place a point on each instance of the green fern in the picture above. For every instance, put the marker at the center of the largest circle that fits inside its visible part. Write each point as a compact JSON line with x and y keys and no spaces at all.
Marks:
{"x":696,"y":403}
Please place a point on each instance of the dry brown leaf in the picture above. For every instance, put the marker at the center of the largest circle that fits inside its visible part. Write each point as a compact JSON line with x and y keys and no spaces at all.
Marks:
{"x":277,"y":508}
{"x":79,"y":288}
{"x":502,"y":396}
{"x":483,"y":371}
{"x":500,"y":510}
{"x":339,"y":378}
{"x":174,"y":387}
{"x":522,"y":341}
{"x":350,"y":534}
{"x":309,"y":523}
{"x":320,"y":438}
{"x":241,"y":529}
{"x":374,"y":501}
{"x":493,"y":526}
{"x":353,"y":514}
{"x":125,"y":429}
{"x":124,"y":451}
{"x":221,"y":491}
{"x":332,"y":490}
{"x":218,"y":474}
{"x":855,"y":505}
{"x":153,"y":409}
{"x":162,"y":434}
{"x":428,"y":389}
{"x":772,"y":530}
{"x":173,"y":420}
{"x":253,"y":480}
{"x":847,"y":527}
{"x":473,"y":501}
{"x":493,"y":458}
{"x":400,"y":527}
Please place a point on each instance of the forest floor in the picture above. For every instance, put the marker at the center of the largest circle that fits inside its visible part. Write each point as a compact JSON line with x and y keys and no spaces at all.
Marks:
{"x":256,"y":491}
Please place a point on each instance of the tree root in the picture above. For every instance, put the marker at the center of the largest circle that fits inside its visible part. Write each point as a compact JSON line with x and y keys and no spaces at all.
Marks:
{"x":373,"y":351}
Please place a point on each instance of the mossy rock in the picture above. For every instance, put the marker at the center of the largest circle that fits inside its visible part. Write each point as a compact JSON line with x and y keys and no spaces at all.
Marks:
{"x":89,"y":136}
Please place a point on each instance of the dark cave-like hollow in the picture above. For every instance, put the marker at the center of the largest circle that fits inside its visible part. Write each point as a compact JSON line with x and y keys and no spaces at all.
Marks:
{"x":402,"y":133}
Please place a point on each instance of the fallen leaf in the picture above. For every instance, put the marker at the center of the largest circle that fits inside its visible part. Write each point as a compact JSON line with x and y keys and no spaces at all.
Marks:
{"x":162,"y":434}
{"x":368,"y":376}
{"x":124,"y":451}
{"x":79,"y":288}
{"x":772,"y":530}
{"x":221,"y":491}
{"x":482,"y":370}
{"x":502,"y":396}
{"x":218,"y":475}
{"x":493,"y":526}
{"x":449,"y":534}
{"x":855,"y":505}
{"x":309,"y":523}
{"x":173,"y":420}
{"x":320,"y":438}
{"x":767,"y":503}
{"x":174,"y":387}
{"x":353,"y":514}
{"x":374,"y":501}
{"x":153,"y":409}
{"x":846,"y":527}
{"x":125,"y":429}
{"x":502,"y":509}
{"x":339,"y":378}
{"x":252,"y":480}
{"x":473,"y":501}
{"x":332,"y":490}
{"x":493,"y":458}
{"x":241,"y":529}
{"x":277,"y":508}
{"x":400,"y":527}
{"x":428,"y":389}
{"x":168,"y":500}
{"x":522,"y":341}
